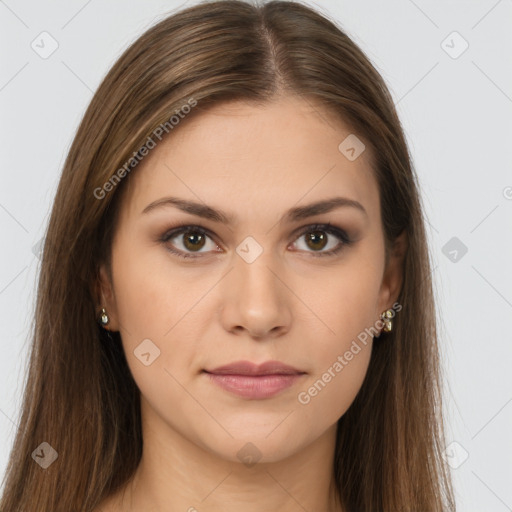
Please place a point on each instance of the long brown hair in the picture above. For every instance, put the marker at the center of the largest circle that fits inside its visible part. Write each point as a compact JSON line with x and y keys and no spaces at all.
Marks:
{"x":80,"y":397}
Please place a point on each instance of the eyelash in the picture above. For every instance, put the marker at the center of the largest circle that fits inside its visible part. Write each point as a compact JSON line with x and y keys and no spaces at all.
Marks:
{"x":327,"y":228}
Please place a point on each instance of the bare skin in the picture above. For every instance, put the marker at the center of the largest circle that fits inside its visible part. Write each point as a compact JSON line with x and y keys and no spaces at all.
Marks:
{"x":289,"y":304}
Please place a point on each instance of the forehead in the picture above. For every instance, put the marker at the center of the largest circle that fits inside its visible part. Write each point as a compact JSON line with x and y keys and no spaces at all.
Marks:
{"x":239,"y":155}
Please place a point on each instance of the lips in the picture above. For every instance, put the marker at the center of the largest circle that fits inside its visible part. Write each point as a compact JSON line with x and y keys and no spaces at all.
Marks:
{"x":248,"y":368}
{"x":255,"y":382}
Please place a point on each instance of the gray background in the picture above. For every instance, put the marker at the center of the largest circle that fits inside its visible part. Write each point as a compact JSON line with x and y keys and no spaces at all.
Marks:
{"x":457,"y":114}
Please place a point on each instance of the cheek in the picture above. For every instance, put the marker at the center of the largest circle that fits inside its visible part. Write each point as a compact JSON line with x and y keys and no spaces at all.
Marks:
{"x":331,"y":391}
{"x":342,"y":350}
{"x":152,"y":295}
{"x":346,"y":305}
{"x":340,"y":365}
{"x":156,"y":314}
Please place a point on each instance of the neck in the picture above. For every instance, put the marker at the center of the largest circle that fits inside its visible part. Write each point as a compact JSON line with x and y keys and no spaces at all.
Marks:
{"x":176,"y":474}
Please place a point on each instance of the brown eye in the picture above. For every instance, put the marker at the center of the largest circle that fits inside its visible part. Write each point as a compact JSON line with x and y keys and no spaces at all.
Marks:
{"x":316,"y":240}
{"x":193,"y":240}
{"x":321,"y":236}
{"x":187,"y":240}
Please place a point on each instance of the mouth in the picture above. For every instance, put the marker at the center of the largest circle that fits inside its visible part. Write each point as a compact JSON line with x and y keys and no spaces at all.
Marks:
{"x":255,"y":382}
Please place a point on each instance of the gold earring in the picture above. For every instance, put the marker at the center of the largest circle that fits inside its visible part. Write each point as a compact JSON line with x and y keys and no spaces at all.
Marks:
{"x":104,"y":319}
{"x":386,"y":316}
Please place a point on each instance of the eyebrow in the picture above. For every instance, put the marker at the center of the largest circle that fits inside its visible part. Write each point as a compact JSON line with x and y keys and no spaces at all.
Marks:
{"x":216,"y":215}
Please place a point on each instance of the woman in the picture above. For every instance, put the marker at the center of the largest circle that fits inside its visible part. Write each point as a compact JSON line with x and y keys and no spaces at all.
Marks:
{"x":235,"y":309}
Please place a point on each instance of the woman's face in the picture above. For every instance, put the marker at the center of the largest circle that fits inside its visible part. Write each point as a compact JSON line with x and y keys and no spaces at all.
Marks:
{"x":259,"y":282}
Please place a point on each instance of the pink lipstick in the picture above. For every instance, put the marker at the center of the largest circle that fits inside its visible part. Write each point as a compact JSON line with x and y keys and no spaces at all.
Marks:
{"x":253,"y":381}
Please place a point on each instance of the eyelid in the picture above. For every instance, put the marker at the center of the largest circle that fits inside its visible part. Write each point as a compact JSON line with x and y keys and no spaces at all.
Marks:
{"x":333,"y":230}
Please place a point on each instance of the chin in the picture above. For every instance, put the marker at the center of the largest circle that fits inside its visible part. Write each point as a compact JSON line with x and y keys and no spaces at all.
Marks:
{"x":255,"y":444}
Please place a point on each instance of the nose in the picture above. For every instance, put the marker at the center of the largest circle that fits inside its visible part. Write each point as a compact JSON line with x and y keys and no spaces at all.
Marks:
{"x":256,"y":299}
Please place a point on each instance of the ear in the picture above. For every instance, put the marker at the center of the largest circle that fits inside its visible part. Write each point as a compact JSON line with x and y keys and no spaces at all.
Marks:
{"x":393,"y":273}
{"x":106,"y":298}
